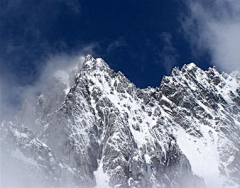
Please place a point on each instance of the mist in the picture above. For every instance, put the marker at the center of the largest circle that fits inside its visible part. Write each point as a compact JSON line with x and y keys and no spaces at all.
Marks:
{"x":56,"y":76}
{"x":213,"y":27}
{"x":18,"y":170}
{"x":18,"y":104}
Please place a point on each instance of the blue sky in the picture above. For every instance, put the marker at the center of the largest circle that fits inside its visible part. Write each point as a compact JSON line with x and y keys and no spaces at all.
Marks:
{"x":144,"y":39}
{"x":131,"y":35}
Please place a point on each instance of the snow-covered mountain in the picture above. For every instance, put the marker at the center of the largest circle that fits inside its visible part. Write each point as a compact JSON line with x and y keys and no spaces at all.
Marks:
{"x":106,"y":132}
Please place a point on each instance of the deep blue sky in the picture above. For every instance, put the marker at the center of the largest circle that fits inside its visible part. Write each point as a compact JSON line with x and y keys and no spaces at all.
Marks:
{"x":133,"y":36}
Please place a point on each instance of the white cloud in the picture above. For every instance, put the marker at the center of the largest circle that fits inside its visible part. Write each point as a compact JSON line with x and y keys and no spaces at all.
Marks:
{"x":120,"y":42}
{"x":57,"y":74}
{"x":169,"y":54}
{"x":74,"y":5}
{"x":56,"y":77}
{"x":214,"y":27}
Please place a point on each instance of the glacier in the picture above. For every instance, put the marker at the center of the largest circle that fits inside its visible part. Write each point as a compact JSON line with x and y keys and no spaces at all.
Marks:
{"x":100,"y":130}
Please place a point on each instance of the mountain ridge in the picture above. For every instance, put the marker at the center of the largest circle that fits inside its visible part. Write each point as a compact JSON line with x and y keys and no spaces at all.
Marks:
{"x":133,"y":137}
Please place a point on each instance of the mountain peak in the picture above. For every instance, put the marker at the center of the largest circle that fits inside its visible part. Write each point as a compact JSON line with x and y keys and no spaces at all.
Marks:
{"x":90,"y":63}
{"x":191,"y":67}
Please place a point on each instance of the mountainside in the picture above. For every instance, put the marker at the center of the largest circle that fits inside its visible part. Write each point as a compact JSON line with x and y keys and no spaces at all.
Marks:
{"x":106,"y":132}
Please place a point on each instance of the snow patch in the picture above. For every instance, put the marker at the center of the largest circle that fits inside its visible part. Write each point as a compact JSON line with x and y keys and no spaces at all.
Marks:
{"x":102,"y":178}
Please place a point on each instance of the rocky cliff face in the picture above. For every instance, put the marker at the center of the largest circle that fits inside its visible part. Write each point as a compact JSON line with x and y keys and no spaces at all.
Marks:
{"x":106,"y":132}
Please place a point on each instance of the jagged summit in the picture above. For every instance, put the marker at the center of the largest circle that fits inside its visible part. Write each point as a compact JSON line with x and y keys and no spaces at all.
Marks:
{"x":106,"y":132}
{"x":91,"y":63}
{"x":189,"y":66}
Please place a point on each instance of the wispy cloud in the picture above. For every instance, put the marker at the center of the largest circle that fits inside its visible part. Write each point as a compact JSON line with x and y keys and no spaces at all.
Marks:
{"x":214,"y":27}
{"x":169,"y":54}
{"x":120,"y":42}
{"x":55,"y":67}
{"x":74,"y":5}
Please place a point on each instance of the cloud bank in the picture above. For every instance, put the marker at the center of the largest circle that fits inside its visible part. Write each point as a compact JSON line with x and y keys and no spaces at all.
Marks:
{"x":214,"y":27}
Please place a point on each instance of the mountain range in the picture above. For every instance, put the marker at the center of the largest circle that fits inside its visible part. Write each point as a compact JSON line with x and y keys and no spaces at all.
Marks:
{"x":98,"y":130}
